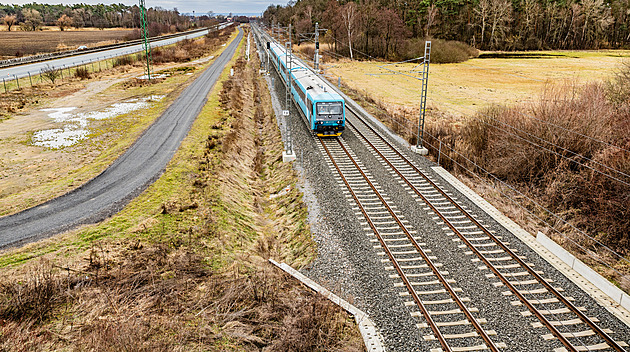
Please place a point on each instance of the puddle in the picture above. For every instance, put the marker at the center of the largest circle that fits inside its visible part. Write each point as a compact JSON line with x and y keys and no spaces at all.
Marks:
{"x":76,"y":126}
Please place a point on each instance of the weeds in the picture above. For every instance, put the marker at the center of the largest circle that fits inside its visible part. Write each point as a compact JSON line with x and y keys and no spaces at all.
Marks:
{"x":124,"y":61}
{"x":188,"y":49}
{"x":33,"y":298}
{"x":51,"y":73}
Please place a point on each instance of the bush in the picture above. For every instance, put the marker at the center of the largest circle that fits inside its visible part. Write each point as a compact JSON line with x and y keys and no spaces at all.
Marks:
{"x":124,"y":60}
{"x":442,"y":51}
{"x":619,"y":87}
{"x":135,"y":34}
{"x":561,"y":169}
{"x":82,"y":73}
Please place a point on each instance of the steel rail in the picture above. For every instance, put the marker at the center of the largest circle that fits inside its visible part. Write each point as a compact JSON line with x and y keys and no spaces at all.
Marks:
{"x":489,"y":343}
{"x":501,"y":277}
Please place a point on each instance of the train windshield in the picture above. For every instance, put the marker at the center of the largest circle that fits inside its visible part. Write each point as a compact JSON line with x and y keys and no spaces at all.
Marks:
{"x":329,"y":109}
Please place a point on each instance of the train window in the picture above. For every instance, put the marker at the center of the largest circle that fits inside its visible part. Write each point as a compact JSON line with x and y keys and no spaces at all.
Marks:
{"x":329,"y":108}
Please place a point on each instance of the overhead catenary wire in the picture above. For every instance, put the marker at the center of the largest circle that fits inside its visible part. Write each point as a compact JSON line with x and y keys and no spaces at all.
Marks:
{"x":586,"y":250}
{"x":544,"y":121}
{"x":532,"y":136}
{"x":557,"y":217}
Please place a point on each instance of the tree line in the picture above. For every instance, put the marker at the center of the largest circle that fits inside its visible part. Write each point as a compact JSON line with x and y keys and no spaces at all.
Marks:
{"x":33,"y":16}
{"x":391,"y":28}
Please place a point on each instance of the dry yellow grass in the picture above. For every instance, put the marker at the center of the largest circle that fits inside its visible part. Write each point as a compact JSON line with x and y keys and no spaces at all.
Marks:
{"x":461,"y":89}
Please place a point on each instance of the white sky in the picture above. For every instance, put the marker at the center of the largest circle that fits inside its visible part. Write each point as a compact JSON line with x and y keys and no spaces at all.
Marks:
{"x":199,"y":6}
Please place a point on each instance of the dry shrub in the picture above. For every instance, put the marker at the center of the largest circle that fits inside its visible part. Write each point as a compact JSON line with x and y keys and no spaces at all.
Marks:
{"x":619,"y":86}
{"x":124,"y":60}
{"x":82,"y":73}
{"x":188,"y":49}
{"x":307,"y":49}
{"x":32,"y":299}
{"x":269,"y":310}
{"x":442,"y":51}
{"x":562,"y":169}
{"x":135,"y":34}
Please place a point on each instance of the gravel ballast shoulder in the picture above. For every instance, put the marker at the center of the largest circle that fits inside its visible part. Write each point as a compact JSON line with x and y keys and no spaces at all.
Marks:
{"x":348,"y":265}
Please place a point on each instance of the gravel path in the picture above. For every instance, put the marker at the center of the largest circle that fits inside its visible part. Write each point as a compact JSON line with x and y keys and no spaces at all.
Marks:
{"x":127,"y":177}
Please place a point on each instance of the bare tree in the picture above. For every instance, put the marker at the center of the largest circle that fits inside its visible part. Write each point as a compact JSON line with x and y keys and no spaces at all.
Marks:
{"x":51,"y":73}
{"x":349,"y":16}
{"x":32,"y":19}
{"x":9,"y":20}
{"x":597,"y":19}
{"x":530,"y":9}
{"x":500,"y":16}
{"x":64,"y":22}
{"x":483,"y":12}
{"x":432,"y":13}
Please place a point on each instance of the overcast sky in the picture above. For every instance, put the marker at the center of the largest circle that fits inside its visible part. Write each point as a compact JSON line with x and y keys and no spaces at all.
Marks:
{"x":199,"y":6}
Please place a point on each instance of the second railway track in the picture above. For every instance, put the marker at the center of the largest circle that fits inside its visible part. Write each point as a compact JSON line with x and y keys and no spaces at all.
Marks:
{"x":467,"y":285}
{"x":571,"y":325}
{"x":440,"y":309}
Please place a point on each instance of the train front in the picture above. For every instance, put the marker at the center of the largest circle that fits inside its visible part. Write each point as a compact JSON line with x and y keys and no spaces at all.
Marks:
{"x":330,"y":116}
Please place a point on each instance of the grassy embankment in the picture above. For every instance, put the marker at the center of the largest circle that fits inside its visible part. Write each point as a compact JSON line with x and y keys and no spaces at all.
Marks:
{"x":35,"y":174}
{"x":472,"y":104}
{"x":183,"y":266}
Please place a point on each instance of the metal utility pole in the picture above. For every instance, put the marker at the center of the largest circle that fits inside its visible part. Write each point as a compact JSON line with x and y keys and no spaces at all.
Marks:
{"x":288,"y":155}
{"x":145,"y":38}
{"x":287,"y":71}
{"x":316,"y":62}
{"x":423,"y":99}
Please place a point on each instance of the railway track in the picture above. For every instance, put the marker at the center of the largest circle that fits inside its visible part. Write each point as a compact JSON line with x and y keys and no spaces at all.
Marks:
{"x":565,"y":322}
{"x":445,"y":320}
{"x":440,"y":308}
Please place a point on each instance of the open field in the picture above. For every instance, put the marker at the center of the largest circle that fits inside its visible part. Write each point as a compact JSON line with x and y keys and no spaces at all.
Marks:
{"x":461,"y":89}
{"x":20,"y":43}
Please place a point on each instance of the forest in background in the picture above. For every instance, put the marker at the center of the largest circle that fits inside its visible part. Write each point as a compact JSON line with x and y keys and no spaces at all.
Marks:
{"x":393,"y":28}
{"x":32,"y":17}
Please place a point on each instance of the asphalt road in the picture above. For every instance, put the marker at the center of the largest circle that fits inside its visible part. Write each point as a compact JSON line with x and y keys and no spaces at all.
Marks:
{"x":35,"y":68}
{"x":127,"y":177}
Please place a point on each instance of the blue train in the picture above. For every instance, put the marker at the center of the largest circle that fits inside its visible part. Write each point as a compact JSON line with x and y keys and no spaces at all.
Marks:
{"x":323,"y":108}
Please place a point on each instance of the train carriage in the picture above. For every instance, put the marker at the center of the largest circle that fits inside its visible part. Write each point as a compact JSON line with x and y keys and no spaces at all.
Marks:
{"x":322,"y":107}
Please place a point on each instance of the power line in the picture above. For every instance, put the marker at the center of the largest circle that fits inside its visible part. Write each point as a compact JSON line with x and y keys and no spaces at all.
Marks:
{"x":554,"y":215}
{"x":530,"y":135}
{"x":541,"y":120}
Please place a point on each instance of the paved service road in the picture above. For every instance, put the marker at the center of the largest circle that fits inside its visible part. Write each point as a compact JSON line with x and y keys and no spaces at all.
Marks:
{"x":129,"y":175}
{"x":35,"y":68}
